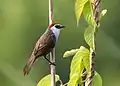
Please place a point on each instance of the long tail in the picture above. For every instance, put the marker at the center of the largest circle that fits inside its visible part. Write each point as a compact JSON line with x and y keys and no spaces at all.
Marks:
{"x":29,"y":65}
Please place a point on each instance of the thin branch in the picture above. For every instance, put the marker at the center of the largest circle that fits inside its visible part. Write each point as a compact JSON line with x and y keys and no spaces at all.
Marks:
{"x":92,"y":68}
{"x":52,"y":67}
{"x":96,"y":12}
{"x":52,"y":54}
{"x":51,"y":15}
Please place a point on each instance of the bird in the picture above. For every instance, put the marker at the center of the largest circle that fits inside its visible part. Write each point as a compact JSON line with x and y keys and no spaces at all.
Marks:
{"x":44,"y":45}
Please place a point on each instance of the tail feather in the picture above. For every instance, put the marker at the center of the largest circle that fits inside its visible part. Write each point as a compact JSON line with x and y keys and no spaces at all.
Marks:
{"x":29,"y":65}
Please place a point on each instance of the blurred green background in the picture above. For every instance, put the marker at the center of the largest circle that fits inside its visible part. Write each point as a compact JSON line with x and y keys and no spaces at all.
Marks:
{"x":23,"y":21}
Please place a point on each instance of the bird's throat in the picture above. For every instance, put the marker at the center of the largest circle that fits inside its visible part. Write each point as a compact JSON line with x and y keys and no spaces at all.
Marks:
{"x":56,"y":32}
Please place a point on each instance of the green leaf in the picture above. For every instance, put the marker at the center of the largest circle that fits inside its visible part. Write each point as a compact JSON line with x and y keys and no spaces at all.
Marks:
{"x":97,"y":80}
{"x":79,"y":5}
{"x":89,"y":36}
{"x":77,"y":66}
{"x":102,"y":14}
{"x":46,"y":81}
{"x":73,"y":80}
{"x":70,"y":53}
{"x":86,"y":62}
{"x":77,"y":59}
{"x":88,"y":13}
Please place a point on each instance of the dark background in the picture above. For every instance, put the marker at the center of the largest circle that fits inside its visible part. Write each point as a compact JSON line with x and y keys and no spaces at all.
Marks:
{"x":23,"y":21}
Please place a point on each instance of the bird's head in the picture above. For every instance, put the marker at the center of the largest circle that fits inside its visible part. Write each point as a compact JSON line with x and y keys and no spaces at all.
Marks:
{"x":56,"y":29}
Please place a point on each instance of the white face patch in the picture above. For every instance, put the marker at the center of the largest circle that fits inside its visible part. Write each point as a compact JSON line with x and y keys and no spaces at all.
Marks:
{"x":56,"y":31}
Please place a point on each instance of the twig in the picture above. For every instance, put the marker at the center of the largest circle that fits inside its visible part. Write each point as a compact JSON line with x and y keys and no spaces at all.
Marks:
{"x":52,"y":54}
{"x":52,"y":67}
{"x":51,"y":15}
{"x":92,"y":68}
{"x":96,"y":12}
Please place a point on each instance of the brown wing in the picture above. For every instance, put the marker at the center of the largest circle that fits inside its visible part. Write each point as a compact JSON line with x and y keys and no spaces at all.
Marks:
{"x":45,"y":44}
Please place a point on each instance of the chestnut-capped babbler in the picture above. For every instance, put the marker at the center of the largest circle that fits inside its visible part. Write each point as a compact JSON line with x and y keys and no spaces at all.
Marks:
{"x":44,"y":45}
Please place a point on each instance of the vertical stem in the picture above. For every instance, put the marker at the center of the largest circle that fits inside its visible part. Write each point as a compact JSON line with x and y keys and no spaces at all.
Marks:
{"x":92,"y":68}
{"x":51,"y":12}
{"x":52,"y":67}
{"x":96,"y":12}
{"x":52,"y":54}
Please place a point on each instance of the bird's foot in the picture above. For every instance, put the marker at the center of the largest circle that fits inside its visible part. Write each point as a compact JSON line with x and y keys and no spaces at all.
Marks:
{"x":51,"y":63}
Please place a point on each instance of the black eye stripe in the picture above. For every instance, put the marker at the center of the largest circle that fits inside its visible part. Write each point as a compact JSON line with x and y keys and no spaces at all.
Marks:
{"x":57,"y":26}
